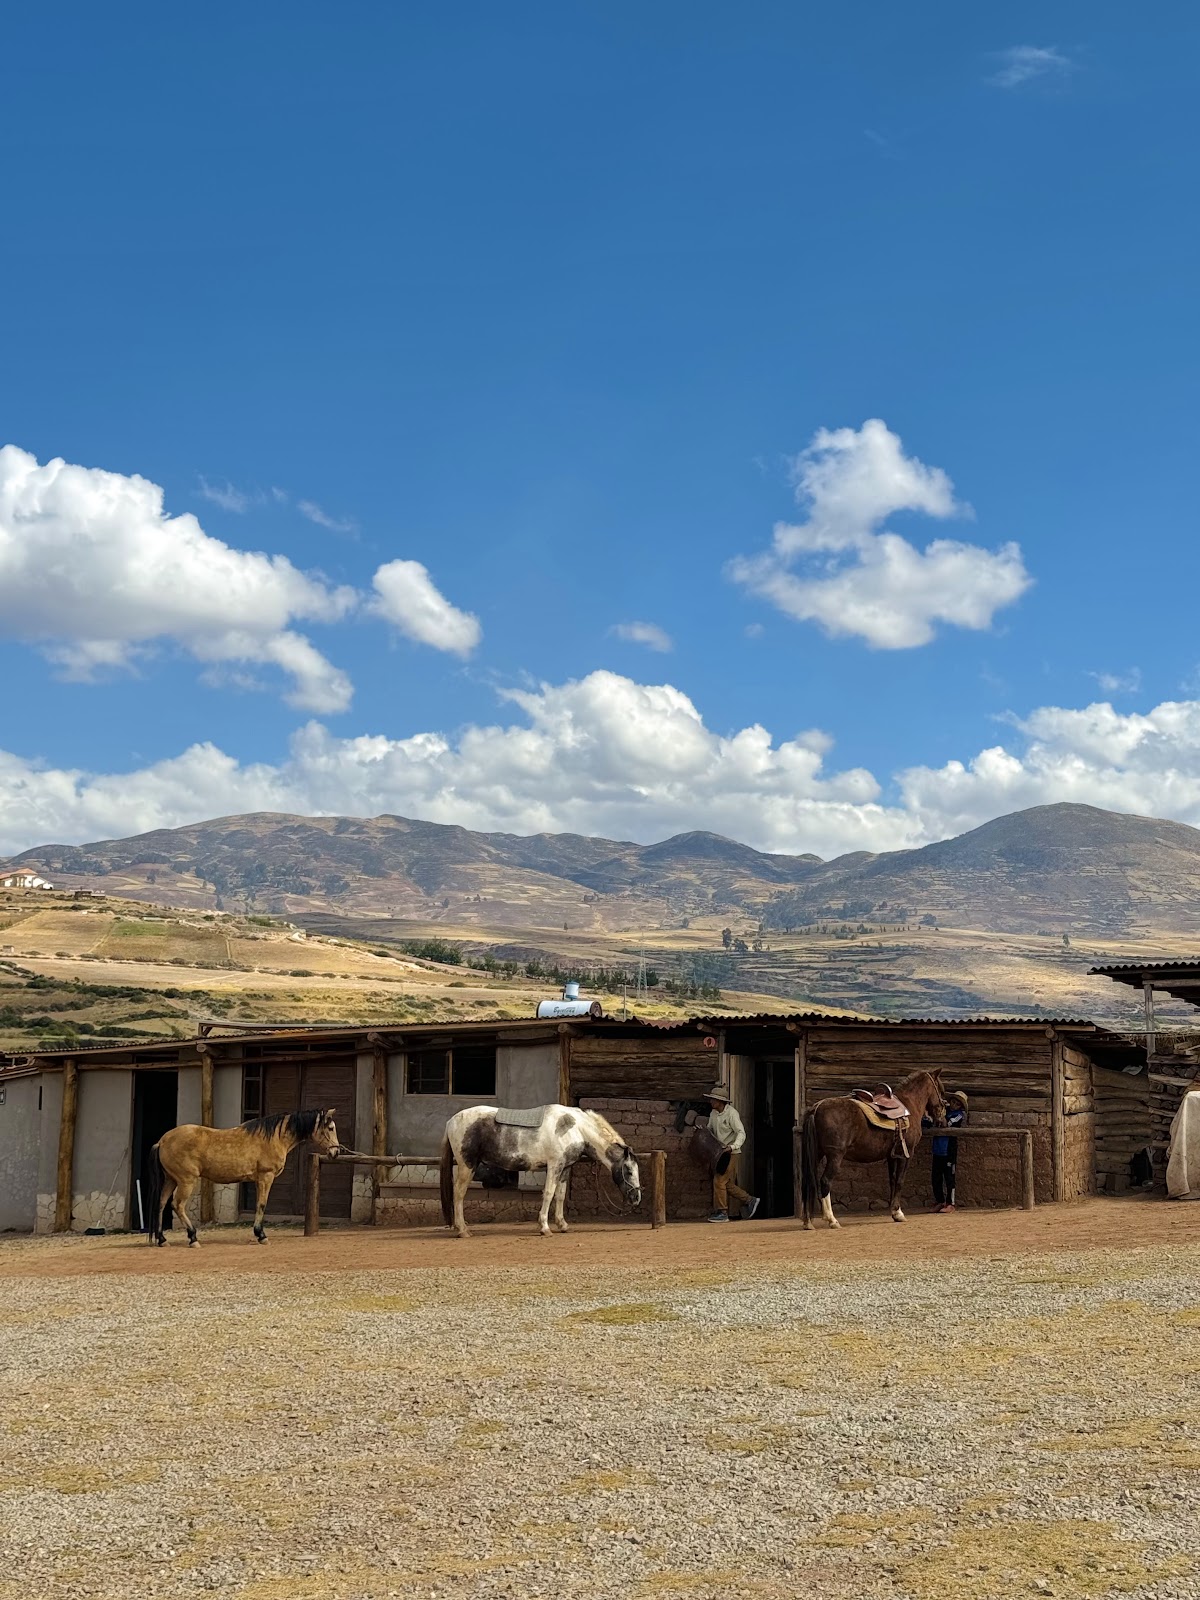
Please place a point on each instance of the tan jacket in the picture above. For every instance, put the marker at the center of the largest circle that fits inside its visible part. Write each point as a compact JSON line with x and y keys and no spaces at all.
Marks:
{"x":727,"y":1126}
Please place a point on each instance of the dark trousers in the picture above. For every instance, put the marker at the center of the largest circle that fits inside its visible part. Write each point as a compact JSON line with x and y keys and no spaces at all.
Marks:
{"x":943,"y":1180}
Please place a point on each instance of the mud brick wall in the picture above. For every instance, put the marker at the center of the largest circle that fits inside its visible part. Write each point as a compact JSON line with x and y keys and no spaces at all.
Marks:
{"x":1008,"y":1077}
{"x":646,"y":1125}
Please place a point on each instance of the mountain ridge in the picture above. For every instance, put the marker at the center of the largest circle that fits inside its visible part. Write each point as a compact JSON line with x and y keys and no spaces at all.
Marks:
{"x":1064,"y":867}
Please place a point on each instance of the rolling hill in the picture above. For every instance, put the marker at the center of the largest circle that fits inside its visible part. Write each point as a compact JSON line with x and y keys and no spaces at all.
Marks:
{"x":1005,"y":918}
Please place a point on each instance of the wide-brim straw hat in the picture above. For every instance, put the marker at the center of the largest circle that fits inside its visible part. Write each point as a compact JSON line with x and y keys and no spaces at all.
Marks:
{"x":957,"y":1094}
{"x":718,"y":1092}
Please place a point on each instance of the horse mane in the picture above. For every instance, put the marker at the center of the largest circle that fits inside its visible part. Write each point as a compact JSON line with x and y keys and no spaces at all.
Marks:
{"x":300,"y":1124}
{"x":604,"y":1127}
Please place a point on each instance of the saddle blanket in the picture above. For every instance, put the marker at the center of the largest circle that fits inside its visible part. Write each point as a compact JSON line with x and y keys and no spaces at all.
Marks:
{"x":888,"y":1124}
{"x":531,"y":1118}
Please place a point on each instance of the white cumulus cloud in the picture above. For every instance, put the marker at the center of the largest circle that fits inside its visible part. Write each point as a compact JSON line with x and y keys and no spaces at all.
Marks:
{"x":607,"y":755}
{"x":858,"y":578}
{"x":96,"y":575}
{"x":1023,"y":63}
{"x":94,"y":571}
{"x":647,"y":633}
{"x":407,"y":597}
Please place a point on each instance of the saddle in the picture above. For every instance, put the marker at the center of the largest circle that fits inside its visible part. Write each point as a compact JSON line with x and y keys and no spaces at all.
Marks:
{"x":882,"y":1110}
{"x":530,"y":1118}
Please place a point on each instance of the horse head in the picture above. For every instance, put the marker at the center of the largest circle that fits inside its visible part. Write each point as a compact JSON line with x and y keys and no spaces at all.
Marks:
{"x":622,"y":1164}
{"x":935,"y":1106}
{"x":324,"y":1135}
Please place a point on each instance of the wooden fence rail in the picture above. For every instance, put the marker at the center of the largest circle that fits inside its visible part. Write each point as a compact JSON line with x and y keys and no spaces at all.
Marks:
{"x":1024,"y":1136}
{"x":655,"y":1159}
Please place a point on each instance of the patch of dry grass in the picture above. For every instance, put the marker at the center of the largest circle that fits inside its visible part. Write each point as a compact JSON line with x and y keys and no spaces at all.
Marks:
{"x":1077,"y":1560}
{"x":629,"y":1315}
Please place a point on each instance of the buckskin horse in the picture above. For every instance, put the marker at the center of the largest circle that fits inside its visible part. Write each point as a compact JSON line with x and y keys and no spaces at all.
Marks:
{"x":862,"y":1128}
{"x":254,"y":1152}
{"x":554,"y":1137}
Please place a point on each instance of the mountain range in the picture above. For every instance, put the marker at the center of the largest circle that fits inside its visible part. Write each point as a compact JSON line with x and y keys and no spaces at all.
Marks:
{"x":1064,"y":868}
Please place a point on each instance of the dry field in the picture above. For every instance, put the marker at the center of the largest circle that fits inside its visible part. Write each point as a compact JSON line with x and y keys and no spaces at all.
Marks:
{"x":128,"y":969}
{"x":989,"y":1405}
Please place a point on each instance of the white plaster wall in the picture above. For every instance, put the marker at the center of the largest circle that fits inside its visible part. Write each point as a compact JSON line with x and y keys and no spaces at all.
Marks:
{"x":20,"y":1148}
{"x":227,"y":1113}
{"x":103,"y":1137}
{"x":526,"y":1075}
{"x":47,"y":1179}
{"x":362,"y":1192}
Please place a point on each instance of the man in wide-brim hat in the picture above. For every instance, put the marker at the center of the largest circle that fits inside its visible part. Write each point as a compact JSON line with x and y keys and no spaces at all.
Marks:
{"x":729,"y":1131}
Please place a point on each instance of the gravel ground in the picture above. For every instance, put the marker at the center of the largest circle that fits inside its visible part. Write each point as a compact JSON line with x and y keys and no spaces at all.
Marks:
{"x":1017,"y":1424}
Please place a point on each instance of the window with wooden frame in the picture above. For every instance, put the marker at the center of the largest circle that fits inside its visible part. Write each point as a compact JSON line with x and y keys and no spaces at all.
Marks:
{"x":461,"y":1069}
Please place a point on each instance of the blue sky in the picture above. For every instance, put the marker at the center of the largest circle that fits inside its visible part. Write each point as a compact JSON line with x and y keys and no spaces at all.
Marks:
{"x":548,"y":300}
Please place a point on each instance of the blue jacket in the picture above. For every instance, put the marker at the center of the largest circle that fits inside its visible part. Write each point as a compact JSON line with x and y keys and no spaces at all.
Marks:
{"x":955,"y":1118}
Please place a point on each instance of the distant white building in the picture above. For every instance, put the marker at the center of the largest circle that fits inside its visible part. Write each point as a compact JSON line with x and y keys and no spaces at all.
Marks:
{"x":23,"y":878}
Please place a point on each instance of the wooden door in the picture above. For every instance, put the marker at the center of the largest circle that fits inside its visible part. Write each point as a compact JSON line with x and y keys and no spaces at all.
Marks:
{"x":312,"y":1086}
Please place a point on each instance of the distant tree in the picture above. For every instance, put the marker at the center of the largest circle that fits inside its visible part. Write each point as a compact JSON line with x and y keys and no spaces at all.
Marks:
{"x":929,"y":920}
{"x":1066,"y":941}
{"x":741,"y":947}
{"x":727,"y":937}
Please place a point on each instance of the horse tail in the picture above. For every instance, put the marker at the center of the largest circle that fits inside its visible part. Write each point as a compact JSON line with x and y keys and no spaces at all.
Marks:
{"x":154,"y":1189}
{"x":810,"y":1160}
{"x":446,"y":1177}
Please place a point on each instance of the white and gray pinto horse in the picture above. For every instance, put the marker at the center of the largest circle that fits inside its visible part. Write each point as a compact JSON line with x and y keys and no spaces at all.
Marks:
{"x":554,"y":1137}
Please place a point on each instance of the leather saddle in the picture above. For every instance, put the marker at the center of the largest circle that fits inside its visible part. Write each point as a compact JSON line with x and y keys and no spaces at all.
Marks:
{"x":884,"y":1111}
{"x":886,"y":1104}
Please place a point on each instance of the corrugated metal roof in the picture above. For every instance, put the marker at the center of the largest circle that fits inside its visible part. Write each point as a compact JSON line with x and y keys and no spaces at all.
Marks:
{"x":508,"y":1025}
{"x":1144,"y":966}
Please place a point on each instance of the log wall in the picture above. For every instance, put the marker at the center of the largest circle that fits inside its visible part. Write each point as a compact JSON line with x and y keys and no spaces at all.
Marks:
{"x":669,"y":1067}
{"x":1123,"y":1126}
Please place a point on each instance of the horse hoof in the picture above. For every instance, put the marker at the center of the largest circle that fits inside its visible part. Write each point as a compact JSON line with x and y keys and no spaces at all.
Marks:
{"x":899,"y":1216}
{"x":834,"y":1223}
{"x":193,"y":1244}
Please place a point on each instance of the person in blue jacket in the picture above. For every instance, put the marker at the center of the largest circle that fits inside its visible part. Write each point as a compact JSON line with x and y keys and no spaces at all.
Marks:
{"x":945,"y":1152}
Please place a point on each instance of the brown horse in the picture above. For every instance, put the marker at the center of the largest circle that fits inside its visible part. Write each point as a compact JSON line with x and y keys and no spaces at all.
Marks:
{"x":254,"y":1153}
{"x":836,"y":1130}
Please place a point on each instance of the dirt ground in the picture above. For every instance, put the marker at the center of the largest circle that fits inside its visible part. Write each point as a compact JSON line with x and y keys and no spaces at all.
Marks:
{"x":1090,"y":1225}
{"x":985,"y":1405}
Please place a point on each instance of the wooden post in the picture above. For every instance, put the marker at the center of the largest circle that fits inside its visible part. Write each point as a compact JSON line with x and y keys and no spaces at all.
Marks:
{"x":379,"y":1117}
{"x":798,"y":1124}
{"x":658,"y":1188}
{"x":1057,"y":1130}
{"x":1148,"y":998}
{"x":1027,"y":1198}
{"x":564,"y":1064}
{"x":312,"y":1195}
{"x":64,"y":1200}
{"x":206,"y":1121}
{"x":797,"y":1170}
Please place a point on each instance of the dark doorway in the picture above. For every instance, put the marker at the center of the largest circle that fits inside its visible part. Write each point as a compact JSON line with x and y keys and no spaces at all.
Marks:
{"x":774,"y":1114}
{"x":155,"y":1112}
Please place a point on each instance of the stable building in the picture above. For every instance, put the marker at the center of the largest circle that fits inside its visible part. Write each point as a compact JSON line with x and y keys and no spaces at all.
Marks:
{"x":77,"y":1124}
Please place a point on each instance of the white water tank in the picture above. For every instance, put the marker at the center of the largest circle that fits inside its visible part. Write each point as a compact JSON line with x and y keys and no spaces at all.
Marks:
{"x":570,"y":1008}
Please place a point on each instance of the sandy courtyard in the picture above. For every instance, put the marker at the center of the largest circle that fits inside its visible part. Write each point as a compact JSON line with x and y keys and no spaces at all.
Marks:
{"x":988,"y":1405}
